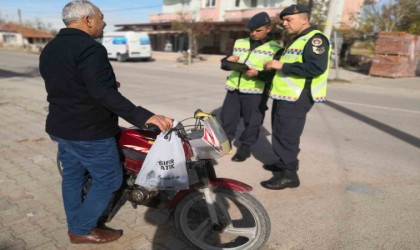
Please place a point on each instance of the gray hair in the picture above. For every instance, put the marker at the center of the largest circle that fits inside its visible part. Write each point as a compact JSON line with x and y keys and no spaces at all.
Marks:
{"x":76,"y":10}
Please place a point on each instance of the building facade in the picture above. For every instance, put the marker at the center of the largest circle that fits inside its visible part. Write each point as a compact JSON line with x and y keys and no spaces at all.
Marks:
{"x":15,"y":35}
{"x":225,"y":19}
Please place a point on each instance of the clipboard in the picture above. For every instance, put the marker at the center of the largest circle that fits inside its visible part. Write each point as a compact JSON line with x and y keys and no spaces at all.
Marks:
{"x":237,"y":66}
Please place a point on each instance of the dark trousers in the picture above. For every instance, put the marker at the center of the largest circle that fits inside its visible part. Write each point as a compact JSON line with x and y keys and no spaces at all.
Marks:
{"x":247,"y":106}
{"x":288,"y":121}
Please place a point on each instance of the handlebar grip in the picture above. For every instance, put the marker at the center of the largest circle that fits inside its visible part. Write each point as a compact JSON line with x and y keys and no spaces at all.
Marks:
{"x":198,"y":111}
{"x":151,"y":127}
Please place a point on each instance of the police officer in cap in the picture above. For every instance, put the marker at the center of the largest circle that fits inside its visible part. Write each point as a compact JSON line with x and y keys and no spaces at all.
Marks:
{"x":245,"y":97}
{"x":299,"y":82}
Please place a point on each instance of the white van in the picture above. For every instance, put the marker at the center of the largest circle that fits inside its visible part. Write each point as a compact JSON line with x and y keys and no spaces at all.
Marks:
{"x":124,"y":45}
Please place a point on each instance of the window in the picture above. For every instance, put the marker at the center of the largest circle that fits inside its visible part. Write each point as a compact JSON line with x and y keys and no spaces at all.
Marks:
{"x":269,"y":3}
{"x":210,"y":3}
{"x":9,"y":38}
{"x":237,"y":3}
{"x":254,"y":3}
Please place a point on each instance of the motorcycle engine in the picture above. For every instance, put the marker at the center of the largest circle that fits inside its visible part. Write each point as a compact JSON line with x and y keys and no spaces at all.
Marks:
{"x":137,"y":194}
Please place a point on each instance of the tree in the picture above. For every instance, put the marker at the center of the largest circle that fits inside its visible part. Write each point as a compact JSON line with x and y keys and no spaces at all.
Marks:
{"x":399,"y":15}
{"x":318,"y":9}
{"x":194,"y":30}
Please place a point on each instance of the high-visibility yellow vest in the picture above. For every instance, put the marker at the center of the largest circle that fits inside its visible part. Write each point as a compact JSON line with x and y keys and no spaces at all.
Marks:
{"x":289,"y":87}
{"x":254,"y":59}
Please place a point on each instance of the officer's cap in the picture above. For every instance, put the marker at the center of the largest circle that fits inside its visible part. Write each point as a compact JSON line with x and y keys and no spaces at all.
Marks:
{"x":294,"y":9}
{"x":258,"y":20}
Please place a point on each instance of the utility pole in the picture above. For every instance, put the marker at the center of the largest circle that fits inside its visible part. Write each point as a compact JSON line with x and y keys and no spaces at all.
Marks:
{"x":330,"y":18}
{"x":21,"y":27}
{"x":327,"y":31}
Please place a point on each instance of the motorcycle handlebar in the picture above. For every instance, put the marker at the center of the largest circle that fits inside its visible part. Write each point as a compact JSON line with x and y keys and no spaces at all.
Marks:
{"x":151,"y":127}
{"x":177,"y":128}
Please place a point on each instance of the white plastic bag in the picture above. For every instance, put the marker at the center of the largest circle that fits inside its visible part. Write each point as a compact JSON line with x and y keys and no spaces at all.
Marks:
{"x":164,"y":166}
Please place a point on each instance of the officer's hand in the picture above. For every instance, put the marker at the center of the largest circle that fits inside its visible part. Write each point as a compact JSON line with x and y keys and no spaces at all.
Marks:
{"x":164,"y":123}
{"x":273,"y":65}
{"x":251,"y":72}
{"x":118,"y":84}
{"x":233,"y":58}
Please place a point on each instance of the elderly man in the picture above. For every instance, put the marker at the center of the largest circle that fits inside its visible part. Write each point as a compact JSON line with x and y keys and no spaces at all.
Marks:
{"x":300,"y":80}
{"x":84,"y":105}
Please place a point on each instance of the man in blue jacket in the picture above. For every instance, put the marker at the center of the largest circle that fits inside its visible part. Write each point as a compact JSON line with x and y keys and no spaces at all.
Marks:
{"x":84,"y":105}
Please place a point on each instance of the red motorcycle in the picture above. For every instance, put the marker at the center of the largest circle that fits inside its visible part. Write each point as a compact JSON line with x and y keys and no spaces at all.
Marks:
{"x":214,"y":213}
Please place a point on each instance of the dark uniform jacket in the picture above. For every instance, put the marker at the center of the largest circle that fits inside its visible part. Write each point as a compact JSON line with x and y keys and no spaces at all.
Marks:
{"x":84,"y":103}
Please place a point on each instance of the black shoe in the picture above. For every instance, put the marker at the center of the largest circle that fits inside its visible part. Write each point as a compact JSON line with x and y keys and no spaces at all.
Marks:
{"x":272,"y":167}
{"x":288,"y":179}
{"x":242,"y":153}
{"x":276,"y":168}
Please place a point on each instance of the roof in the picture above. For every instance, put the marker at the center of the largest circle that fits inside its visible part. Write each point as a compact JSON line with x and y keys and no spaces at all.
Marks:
{"x":27,"y":32}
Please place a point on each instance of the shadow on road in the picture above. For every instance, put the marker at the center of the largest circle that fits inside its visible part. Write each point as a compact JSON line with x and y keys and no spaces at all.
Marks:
{"x":165,"y":236}
{"x":410,"y":139}
{"x":261,"y":150}
{"x":32,"y":72}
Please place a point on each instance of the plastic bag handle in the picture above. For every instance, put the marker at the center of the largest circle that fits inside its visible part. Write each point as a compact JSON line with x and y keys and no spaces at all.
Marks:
{"x":174,"y":129}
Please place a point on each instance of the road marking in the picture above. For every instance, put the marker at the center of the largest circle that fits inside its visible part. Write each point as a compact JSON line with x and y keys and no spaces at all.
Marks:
{"x":378,"y":107}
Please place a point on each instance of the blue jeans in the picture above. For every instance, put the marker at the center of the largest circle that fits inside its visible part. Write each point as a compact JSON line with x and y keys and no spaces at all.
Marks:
{"x":101,"y":159}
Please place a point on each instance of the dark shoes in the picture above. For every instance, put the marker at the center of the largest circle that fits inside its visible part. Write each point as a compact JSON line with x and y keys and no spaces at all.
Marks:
{"x":275,"y":168}
{"x":242,"y":153}
{"x":272,"y":167}
{"x":96,"y":236}
{"x":281,"y":180}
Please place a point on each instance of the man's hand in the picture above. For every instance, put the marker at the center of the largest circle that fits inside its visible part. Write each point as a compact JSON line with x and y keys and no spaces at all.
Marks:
{"x":251,"y":73}
{"x":118,"y":84}
{"x":164,"y":123}
{"x":273,"y":65}
{"x":233,"y":58}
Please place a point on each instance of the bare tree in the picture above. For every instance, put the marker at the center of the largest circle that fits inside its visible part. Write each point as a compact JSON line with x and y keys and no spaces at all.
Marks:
{"x":400,"y":15}
{"x":194,"y":30}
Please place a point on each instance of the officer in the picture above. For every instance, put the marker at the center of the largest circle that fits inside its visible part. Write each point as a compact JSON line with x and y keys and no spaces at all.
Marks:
{"x":245,"y":96}
{"x":300,"y":80}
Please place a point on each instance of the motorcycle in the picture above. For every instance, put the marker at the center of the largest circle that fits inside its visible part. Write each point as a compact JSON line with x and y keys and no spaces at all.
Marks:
{"x":214,"y":213}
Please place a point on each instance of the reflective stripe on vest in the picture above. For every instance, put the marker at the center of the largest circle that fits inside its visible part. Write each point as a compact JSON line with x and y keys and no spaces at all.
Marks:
{"x":254,"y":59}
{"x":289,"y":87}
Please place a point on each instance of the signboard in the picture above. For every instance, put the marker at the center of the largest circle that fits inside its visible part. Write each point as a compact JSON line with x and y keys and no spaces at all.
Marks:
{"x":119,"y":40}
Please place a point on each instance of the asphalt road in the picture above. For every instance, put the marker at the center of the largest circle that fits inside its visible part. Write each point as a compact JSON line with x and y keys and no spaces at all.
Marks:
{"x":359,"y":171}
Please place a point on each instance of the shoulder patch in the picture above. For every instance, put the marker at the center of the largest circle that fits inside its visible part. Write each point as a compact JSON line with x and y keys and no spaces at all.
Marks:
{"x":318,"y":50}
{"x":316,"y":41}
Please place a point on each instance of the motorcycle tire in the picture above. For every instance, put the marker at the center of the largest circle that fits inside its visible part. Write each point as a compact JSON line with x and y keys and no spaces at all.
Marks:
{"x":244,"y":221}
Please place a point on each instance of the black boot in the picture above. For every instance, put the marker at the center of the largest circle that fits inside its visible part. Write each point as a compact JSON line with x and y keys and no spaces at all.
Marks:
{"x":283,"y":179}
{"x":242,"y":153}
{"x":276,"y":168}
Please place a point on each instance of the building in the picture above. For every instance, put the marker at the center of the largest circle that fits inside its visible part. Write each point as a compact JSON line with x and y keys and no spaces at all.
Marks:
{"x":225,"y":20}
{"x":15,"y":35}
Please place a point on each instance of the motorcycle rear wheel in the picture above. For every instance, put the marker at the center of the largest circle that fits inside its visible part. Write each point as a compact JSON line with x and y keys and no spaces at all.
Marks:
{"x":244,"y":220}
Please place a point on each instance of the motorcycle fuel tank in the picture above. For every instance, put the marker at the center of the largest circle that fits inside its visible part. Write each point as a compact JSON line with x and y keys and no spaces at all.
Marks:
{"x":135,"y":145}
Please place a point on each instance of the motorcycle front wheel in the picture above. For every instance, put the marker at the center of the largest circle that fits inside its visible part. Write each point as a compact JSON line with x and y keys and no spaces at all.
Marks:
{"x":244,"y":221}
